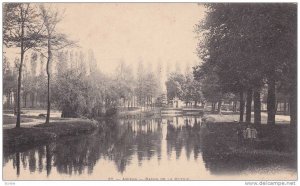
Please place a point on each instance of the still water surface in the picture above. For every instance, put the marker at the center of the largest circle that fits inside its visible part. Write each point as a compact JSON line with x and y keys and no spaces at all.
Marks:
{"x":168,"y":148}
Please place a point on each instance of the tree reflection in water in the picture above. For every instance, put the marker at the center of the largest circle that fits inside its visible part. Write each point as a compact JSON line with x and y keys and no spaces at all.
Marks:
{"x":185,"y":135}
{"x":130,"y":141}
{"x":120,"y":141}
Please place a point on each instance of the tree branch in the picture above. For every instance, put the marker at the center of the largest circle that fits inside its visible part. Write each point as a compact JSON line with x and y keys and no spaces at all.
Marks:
{"x":39,"y":51}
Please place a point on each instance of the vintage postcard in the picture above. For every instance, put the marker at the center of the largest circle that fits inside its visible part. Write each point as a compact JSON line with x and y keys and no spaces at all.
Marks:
{"x":149,"y":91}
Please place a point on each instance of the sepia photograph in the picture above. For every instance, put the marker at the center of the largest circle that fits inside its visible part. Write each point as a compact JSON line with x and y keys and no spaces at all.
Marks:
{"x":149,"y":91}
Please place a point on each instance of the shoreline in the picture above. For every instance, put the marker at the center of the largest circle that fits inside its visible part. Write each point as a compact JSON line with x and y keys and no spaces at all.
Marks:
{"x":15,"y":139}
{"x":222,"y":126}
{"x":34,"y":131}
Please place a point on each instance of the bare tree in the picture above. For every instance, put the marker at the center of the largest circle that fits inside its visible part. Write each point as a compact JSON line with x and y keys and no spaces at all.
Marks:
{"x":53,"y":41}
{"x":21,"y":28}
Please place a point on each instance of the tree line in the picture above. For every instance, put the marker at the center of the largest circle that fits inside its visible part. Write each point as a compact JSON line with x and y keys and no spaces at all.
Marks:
{"x":185,"y":88}
{"x":92,"y":93}
{"x":78,"y":87}
{"x":75,"y":90}
{"x":249,"y":48}
{"x":32,"y":27}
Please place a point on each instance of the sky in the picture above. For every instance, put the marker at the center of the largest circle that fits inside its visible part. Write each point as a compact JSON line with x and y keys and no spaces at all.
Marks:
{"x":132,"y":32}
{"x":151,"y":33}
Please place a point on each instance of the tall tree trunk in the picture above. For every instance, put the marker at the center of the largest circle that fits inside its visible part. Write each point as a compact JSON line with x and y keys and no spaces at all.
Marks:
{"x":15,"y":104}
{"x":284,"y":107}
{"x":219,"y":106}
{"x":248,"y":105}
{"x":293,"y":116}
{"x":48,"y":81}
{"x":257,"y":107}
{"x":293,"y":110}
{"x":271,"y":101}
{"x":242,"y":105}
{"x":32,"y":100}
{"x":8,"y":100}
{"x":11,"y":99}
{"x":195,"y":104}
{"x":25,"y":100}
{"x":234,"y":106}
{"x":212,"y":107}
{"x":18,"y":124}
{"x":22,"y":48}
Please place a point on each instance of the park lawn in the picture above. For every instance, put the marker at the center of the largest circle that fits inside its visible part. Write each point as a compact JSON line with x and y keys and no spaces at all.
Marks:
{"x":12,"y":120}
{"x":231,"y":117}
{"x":18,"y":138}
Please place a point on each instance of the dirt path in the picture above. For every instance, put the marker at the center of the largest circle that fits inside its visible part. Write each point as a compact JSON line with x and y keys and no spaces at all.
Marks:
{"x":30,"y":113}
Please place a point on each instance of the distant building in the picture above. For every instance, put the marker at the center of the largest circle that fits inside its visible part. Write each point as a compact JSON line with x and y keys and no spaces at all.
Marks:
{"x":177,"y":103}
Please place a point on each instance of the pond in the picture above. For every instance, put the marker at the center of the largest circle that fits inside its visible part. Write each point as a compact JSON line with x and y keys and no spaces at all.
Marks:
{"x":165,"y":148}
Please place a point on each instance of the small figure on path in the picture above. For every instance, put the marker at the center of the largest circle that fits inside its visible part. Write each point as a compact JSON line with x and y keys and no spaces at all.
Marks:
{"x":250,"y":134}
{"x":253,"y":133}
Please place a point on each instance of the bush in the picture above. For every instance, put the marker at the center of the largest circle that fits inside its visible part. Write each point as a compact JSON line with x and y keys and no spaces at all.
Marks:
{"x":111,"y":112}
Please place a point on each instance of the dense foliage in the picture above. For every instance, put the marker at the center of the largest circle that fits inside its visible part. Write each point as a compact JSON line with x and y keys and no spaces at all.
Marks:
{"x":246,"y":46}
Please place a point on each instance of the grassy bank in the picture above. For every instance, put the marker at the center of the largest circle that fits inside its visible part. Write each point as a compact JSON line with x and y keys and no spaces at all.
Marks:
{"x":231,"y":117}
{"x":273,"y":143}
{"x":18,"y":138}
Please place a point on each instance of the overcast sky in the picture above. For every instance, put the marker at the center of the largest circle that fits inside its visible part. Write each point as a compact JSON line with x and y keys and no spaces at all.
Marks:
{"x":149,"y":32}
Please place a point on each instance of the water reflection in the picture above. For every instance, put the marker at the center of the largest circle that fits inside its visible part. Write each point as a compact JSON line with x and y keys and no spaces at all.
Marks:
{"x":136,"y":141}
{"x":184,"y":134}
